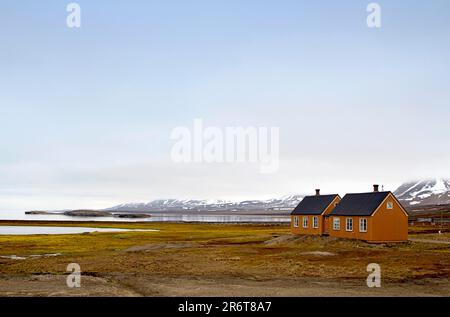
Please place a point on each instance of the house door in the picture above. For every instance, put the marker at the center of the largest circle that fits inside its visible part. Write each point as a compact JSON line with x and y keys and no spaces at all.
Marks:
{"x":325,"y":225}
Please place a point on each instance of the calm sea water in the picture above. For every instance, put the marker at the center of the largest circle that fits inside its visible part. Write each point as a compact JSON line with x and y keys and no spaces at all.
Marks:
{"x":24,"y":230}
{"x":155,"y":218}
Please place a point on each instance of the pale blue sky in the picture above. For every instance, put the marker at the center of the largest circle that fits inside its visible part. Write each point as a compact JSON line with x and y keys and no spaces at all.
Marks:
{"x":86,"y":114}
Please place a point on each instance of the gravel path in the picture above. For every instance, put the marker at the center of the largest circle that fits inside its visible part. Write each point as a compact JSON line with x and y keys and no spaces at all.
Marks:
{"x":430,"y":241}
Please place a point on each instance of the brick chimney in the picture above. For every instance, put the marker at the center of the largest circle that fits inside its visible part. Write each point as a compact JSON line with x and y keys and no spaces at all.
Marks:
{"x":317,"y":192}
{"x":376,"y":188}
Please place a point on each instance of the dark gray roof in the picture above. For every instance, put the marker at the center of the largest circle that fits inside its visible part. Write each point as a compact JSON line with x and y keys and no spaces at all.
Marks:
{"x":363,"y":204}
{"x":314,"y":205}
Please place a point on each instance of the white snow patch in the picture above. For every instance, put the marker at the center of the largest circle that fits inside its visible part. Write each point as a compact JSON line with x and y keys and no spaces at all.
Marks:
{"x":439,"y":187}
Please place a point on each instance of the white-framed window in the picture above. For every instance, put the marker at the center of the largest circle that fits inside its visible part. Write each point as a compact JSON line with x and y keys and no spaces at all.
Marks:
{"x":336,"y":224}
{"x":363,"y":225}
{"x":349,"y":224}
{"x":305,"y":222}
{"x":390,"y":205}
{"x":295,"y":222}
{"x":315,"y":222}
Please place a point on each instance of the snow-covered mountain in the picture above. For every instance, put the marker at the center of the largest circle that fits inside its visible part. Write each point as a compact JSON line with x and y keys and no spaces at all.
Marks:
{"x":425,"y":192}
{"x":283,"y":203}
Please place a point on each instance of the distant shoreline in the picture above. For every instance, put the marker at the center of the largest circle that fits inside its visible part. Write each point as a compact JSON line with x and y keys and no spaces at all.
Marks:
{"x":171,"y":217}
{"x":90,"y":213}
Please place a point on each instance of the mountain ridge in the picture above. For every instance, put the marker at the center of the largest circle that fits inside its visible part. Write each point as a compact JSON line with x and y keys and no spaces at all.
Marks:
{"x":410,"y":194}
{"x":283,"y":203}
{"x":424,"y":192}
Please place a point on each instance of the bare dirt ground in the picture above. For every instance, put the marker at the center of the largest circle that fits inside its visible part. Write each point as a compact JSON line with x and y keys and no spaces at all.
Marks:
{"x":429,"y":241}
{"x":148,"y":285}
{"x":235,"y":287}
{"x":219,"y":260}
